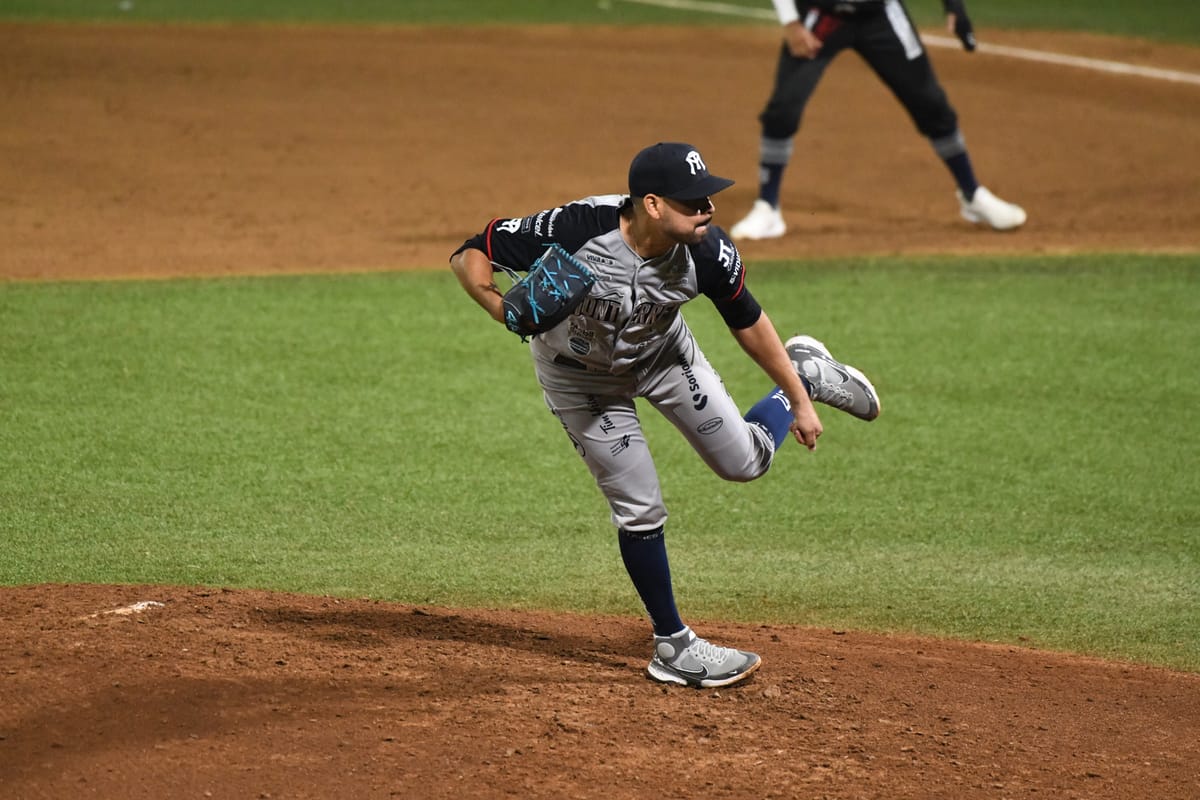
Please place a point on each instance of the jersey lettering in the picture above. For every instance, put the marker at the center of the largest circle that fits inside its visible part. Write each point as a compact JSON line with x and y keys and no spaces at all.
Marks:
{"x":599,"y":309}
{"x":597,"y":410}
{"x":553,"y":216}
{"x":699,"y":399}
{"x":649,"y":313}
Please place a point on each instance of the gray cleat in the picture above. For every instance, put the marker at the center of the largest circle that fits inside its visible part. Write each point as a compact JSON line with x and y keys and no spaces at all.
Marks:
{"x":830,"y":381}
{"x":688,"y":660}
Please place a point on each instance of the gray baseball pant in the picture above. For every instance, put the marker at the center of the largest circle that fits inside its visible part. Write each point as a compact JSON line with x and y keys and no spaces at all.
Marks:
{"x":598,"y":412}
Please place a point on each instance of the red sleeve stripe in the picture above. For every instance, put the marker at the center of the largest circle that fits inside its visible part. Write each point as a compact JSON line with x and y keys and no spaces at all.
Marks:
{"x":491,"y":226}
{"x":741,"y":283}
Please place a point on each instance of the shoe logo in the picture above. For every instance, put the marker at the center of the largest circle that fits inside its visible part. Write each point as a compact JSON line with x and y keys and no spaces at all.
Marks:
{"x":823,"y":372}
{"x":693,"y":673}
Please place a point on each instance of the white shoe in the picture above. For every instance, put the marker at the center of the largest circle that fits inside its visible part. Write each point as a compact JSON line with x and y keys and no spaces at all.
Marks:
{"x":763,"y":222}
{"x":986,"y":207}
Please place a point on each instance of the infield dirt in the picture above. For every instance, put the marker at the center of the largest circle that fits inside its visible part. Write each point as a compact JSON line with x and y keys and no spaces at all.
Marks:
{"x":163,"y":151}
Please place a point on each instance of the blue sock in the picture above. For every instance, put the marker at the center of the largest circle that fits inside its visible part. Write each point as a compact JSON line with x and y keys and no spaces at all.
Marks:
{"x":645,"y":557}
{"x":960,"y":167}
{"x":770,"y":182}
{"x":773,"y":158}
{"x":773,"y":412}
{"x":952,"y":150}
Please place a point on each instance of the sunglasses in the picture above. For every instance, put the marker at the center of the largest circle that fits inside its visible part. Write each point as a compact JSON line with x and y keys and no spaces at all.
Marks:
{"x":692,"y":207}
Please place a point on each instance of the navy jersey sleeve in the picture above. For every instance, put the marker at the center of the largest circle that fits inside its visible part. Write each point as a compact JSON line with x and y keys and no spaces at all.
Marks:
{"x":722,"y":278}
{"x":517,"y":243}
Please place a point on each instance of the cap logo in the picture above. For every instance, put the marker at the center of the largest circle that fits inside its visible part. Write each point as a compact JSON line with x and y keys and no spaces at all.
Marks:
{"x":695,"y":162}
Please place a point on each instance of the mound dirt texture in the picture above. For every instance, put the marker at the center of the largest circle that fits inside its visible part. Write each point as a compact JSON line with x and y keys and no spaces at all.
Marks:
{"x":165,"y":151}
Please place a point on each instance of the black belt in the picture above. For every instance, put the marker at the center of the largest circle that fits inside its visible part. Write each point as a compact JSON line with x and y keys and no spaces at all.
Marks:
{"x":571,"y":363}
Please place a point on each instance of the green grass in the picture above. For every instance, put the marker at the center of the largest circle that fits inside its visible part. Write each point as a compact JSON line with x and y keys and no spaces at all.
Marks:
{"x":1177,"y":20}
{"x":1033,"y":478}
{"x":1173,"y":20}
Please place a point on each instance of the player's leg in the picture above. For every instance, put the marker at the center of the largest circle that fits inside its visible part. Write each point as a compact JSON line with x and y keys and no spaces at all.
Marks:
{"x":891,"y":46}
{"x":607,"y":435}
{"x":684,"y":388}
{"x":795,"y":81}
{"x":688,"y":392}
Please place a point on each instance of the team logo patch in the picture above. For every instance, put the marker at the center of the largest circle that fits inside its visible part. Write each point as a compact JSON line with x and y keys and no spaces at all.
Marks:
{"x":579,"y":338}
{"x":597,"y":259}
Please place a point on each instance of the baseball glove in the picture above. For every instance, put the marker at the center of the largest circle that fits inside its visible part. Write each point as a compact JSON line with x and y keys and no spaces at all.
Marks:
{"x":555,"y":285}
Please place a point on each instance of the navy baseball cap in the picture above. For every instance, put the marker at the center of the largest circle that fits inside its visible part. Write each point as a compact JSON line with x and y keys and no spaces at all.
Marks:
{"x":674,"y":170}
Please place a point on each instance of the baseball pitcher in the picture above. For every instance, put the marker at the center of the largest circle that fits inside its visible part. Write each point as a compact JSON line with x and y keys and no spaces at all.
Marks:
{"x":607,"y":277}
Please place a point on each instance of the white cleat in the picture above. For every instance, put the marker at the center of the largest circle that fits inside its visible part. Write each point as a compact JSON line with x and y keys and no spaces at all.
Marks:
{"x":985,"y":207}
{"x":763,"y":222}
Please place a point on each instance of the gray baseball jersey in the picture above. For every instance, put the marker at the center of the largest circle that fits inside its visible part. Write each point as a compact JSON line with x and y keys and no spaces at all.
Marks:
{"x":627,"y":339}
